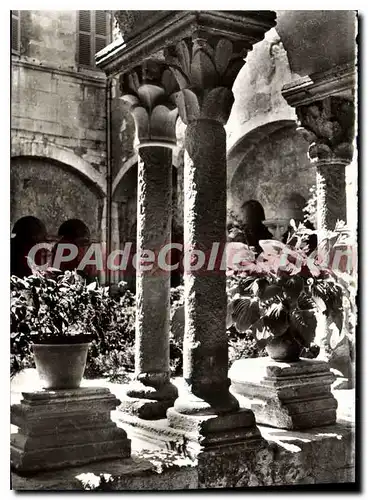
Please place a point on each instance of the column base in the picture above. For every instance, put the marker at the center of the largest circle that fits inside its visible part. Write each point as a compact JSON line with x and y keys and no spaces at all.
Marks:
{"x":293,"y":395}
{"x":216,"y":433}
{"x":147,"y":402}
{"x":64,"y":428}
{"x":193,"y":435}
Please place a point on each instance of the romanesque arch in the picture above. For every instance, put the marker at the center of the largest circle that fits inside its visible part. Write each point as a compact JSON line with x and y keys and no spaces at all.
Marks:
{"x":64,"y":156}
{"x":75,"y":232}
{"x":250,"y":141}
{"x":131,"y":162}
{"x":268,"y":164}
{"x":53,"y":192}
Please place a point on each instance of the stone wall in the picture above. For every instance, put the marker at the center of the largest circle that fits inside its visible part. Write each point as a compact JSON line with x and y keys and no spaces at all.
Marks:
{"x":122,"y":131}
{"x":271,"y":171}
{"x":54,"y":194}
{"x":267,"y":158}
{"x":54,"y":102}
{"x":257,"y":89}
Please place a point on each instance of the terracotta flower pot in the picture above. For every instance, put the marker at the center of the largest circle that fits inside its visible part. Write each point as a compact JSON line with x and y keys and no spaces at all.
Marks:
{"x":60,"y":366}
{"x":284,"y":348}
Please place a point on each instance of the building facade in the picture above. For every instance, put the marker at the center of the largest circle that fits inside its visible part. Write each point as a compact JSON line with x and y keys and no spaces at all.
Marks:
{"x":59,"y":130}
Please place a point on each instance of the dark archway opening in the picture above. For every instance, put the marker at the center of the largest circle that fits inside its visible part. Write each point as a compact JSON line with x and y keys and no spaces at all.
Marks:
{"x":27,"y":232}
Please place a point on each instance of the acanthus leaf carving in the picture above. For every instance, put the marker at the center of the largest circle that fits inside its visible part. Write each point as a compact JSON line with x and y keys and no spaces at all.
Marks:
{"x":148,"y":90}
{"x":218,"y":99}
{"x":200,"y":66}
{"x":224,"y":51}
{"x":202,"y":70}
{"x":188,"y":105}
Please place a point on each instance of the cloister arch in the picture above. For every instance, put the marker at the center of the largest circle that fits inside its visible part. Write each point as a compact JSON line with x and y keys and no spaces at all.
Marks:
{"x":53,"y":192}
{"x":24,"y":148}
{"x":249,"y":142}
{"x":131,"y":162}
{"x":268,"y":164}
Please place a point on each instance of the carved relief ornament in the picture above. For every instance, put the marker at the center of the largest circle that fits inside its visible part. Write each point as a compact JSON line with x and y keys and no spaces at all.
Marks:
{"x":328,"y":125}
{"x":205,"y":70}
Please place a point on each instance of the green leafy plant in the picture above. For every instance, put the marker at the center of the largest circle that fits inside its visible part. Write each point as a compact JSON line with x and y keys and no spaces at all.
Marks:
{"x":283,"y":291}
{"x":112,"y":355}
{"x":56,"y":307}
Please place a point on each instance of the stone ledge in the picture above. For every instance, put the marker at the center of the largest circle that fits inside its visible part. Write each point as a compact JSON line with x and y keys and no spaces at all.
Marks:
{"x":316,"y":456}
{"x":322,"y":455}
{"x":131,"y":474}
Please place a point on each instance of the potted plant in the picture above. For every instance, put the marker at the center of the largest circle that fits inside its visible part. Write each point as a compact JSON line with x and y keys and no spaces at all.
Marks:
{"x":52,"y":317}
{"x":280,"y":294}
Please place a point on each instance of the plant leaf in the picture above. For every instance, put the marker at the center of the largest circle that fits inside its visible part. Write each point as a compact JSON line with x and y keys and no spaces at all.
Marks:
{"x":245,"y":313}
{"x":305,"y":323}
{"x":305,"y":302}
{"x":276,"y":319}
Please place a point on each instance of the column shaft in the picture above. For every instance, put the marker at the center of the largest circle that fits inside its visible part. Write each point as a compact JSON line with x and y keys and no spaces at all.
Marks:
{"x":115,"y":239}
{"x":205,"y":343}
{"x":153,"y":287}
{"x":331,"y":194}
{"x":152,"y":385}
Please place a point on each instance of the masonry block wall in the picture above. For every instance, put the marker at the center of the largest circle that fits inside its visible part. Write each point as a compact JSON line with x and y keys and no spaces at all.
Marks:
{"x":58,"y":112}
{"x":267,"y":158}
{"x":54,"y":100}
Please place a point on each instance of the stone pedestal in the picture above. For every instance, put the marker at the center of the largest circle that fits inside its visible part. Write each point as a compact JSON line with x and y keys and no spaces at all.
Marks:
{"x":216,"y":433}
{"x":285,"y":395}
{"x":65,"y":428}
{"x":194,"y":436}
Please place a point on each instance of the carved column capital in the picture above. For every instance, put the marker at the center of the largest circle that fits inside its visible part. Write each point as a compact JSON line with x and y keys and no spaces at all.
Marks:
{"x":147,"y":89}
{"x":205,"y":68}
{"x":328,"y":125}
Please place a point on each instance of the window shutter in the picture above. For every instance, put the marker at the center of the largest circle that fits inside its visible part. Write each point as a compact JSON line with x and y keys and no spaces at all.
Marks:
{"x":101,"y":23}
{"x":92,"y":35}
{"x":100,"y":32}
{"x":84,"y":46}
{"x":85,"y":20}
{"x":85,"y":49}
{"x":15,"y":30}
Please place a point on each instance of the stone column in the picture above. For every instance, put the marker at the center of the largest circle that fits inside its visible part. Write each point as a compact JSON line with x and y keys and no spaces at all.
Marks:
{"x":101,"y":268}
{"x":205,"y":342}
{"x":328,"y":125}
{"x":151,"y":393}
{"x":205,"y":406}
{"x":204,"y":50}
{"x":326,"y":114}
